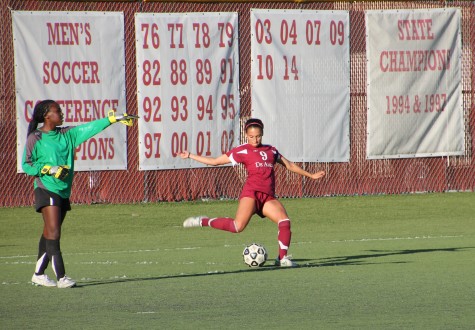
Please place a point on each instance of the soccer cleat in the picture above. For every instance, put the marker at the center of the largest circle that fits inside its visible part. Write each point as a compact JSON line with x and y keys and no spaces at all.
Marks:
{"x":65,"y":282}
{"x":193,"y":221}
{"x":42,"y":280}
{"x":285,"y":262}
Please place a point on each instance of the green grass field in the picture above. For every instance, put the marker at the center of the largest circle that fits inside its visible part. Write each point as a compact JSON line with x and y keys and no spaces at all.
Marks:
{"x":373,"y":262}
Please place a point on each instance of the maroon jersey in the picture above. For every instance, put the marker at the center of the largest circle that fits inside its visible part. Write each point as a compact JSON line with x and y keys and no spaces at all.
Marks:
{"x":259,"y":163}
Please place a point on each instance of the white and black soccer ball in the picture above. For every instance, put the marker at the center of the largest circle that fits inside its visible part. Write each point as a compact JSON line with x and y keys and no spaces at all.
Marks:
{"x":255,"y":255}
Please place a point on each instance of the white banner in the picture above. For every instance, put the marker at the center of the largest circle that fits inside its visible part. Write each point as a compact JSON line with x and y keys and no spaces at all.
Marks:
{"x":414,"y":83}
{"x":187,"y":86}
{"x":76,"y":59}
{"x":300,"y":82}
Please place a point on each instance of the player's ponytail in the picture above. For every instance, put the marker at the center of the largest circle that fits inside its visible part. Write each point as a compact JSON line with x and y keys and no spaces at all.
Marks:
{"x":39,"y":113}
{"x":254,"y":122}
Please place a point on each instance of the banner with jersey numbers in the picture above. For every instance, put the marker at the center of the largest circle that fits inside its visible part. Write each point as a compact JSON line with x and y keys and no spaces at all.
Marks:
{"x":414,"y":83}
{"x":76,"y":59}
{"x":300,"y":82}
{"x":187,"y":86}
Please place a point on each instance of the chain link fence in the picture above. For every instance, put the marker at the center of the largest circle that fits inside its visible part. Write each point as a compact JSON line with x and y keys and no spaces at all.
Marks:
{"x":357,"y":177}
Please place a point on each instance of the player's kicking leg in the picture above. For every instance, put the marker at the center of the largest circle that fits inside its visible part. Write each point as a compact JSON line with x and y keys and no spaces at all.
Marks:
{"x":246,"y":209}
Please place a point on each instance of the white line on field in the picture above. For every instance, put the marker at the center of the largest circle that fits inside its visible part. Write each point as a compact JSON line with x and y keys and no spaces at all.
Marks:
{"x":106,"y":252}
{"x":228,"y":246}
{"x":394,"y":238}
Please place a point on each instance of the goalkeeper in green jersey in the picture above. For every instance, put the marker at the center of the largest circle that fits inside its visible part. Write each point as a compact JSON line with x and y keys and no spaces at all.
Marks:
{"x":49,"y":157}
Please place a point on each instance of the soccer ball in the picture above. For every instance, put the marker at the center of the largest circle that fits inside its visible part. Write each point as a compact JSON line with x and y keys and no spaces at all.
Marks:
{"x":255,"y":255}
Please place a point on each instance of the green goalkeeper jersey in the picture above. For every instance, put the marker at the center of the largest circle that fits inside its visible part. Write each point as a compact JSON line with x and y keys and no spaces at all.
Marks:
{"x":56,"y":148}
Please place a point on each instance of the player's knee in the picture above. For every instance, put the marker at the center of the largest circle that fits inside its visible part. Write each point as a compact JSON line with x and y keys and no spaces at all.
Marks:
{"x":52,"y":234}
{"x":239,"y":227}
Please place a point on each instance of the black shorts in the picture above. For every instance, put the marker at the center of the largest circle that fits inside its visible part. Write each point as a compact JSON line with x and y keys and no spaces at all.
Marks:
{"x":45,"y":197}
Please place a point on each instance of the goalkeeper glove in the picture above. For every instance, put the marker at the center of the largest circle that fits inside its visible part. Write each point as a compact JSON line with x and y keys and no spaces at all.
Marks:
{"x":125,"y":119}
{"x":59,"y":172}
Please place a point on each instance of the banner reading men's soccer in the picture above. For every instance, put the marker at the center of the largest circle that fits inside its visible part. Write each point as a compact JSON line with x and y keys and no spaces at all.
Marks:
{"x":187,"y":86}
{"x":76,"y":59}
{"x":301,"y":82}
{"x":414,"y":83}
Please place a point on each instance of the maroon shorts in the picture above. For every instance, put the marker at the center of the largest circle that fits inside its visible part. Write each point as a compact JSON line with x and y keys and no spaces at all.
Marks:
{"x":260,"y":199}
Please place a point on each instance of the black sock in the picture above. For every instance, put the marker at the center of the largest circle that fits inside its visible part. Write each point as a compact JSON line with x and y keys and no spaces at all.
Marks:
{"x":54,"y":254}
{"x":42,"y":261}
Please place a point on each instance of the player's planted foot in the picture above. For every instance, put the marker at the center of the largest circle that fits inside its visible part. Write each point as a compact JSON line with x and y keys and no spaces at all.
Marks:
{"x":285,"y":262}
{"x":66,"y":282}
{"x":42,"y":280}
{"x":193,"y":222}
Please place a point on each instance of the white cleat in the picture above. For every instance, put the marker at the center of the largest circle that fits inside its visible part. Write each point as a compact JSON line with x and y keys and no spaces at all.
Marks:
{"x":42,"y":280}
{"x":285,"y":262}
{"x":65,"y":282}
{"x":193,"y":221}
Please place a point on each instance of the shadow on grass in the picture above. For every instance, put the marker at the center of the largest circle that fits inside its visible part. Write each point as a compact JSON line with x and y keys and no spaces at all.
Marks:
{"x":353,"y":260}
{"x":361,"y":258}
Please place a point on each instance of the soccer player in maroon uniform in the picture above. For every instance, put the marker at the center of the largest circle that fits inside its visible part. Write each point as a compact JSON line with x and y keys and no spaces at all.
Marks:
{"x":258,"y":193}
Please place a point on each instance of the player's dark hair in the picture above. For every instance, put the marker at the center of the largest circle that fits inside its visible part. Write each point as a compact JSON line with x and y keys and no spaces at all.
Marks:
{"x":254,"y":122}
{"x":39,"y":113}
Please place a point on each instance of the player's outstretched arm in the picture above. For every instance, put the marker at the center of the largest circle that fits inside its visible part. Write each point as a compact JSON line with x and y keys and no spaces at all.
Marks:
{"x":213,"y":161}
{"x":291,"y":166}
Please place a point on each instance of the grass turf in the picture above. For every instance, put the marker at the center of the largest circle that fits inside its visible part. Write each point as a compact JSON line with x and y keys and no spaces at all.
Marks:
{"x":372,"y":262}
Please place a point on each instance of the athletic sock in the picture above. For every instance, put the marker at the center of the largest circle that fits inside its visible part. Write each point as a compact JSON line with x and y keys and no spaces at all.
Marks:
{"x":40,"y":264}
{"x":226,"y":224}
{"x":283,"y":237}
{"x":53,"y":251}
{"x":204,"y":222}
{"x":42,"y":261}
